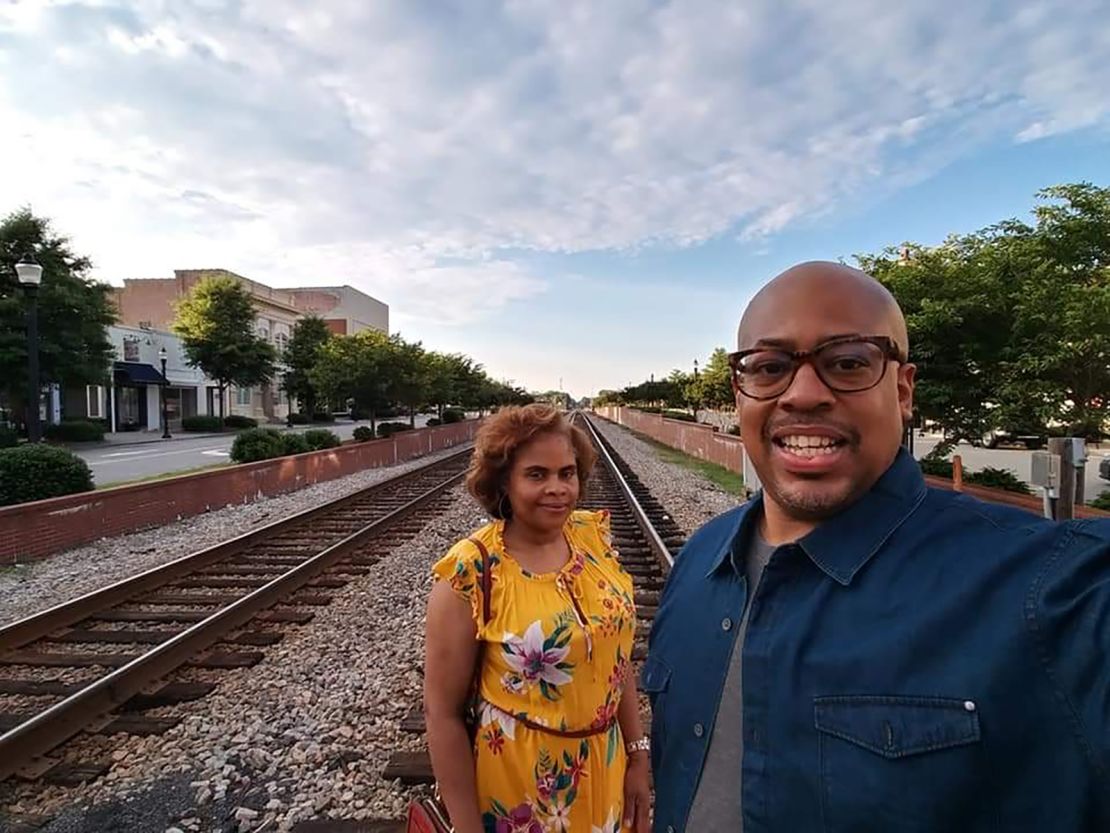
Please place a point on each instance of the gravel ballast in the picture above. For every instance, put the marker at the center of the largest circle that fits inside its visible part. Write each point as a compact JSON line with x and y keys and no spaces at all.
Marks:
{"x":691,"y":499}
{"x":304,"y":734}
{"x":27,"y":588}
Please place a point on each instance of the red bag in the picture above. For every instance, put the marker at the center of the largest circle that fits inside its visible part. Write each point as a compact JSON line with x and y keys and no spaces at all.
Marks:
{"x":429,"y":815}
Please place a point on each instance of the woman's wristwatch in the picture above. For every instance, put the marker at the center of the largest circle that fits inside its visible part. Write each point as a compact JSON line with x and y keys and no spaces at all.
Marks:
{"x":641,"y":745}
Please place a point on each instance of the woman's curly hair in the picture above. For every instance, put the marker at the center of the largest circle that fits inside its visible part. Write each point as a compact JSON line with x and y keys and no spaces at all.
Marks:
{"x":496,"y":445}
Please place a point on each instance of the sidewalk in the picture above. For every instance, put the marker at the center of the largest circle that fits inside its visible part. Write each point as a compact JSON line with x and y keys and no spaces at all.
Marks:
{"x":129,"y":438}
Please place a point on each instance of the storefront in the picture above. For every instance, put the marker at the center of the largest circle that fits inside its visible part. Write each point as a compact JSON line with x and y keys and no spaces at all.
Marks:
{"x":137,"y":391}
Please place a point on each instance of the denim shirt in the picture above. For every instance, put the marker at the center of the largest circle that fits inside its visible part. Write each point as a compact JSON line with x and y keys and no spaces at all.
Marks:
{"x":923,"y":661}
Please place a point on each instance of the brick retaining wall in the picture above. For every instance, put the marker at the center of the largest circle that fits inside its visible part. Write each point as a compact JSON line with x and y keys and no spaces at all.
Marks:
{"x":31,"y":531}
{"x":692,"y":438}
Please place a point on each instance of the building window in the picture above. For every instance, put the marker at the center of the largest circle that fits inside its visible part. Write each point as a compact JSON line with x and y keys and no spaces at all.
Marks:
{"x":94,"y":396}
{"x":243,"y":396}
{"x":282,"y":341}
{"x":130,"y":349}
{"x":279,"y":396}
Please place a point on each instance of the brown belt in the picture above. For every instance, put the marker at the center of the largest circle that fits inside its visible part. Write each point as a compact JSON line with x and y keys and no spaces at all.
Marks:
{"x":598,"y":729}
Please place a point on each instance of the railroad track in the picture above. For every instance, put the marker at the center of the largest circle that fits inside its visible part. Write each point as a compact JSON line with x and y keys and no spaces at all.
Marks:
{"x":96,"y":663}
{"x":647,"y":539}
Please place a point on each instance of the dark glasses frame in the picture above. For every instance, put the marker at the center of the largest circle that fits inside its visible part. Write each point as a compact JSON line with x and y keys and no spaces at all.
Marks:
{"x":891,"y":352}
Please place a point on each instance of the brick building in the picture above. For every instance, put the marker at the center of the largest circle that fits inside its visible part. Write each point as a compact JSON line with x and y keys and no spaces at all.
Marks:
{"x":132,"y":398}
{"x":344,"y":309}
{"x":150,"y":303}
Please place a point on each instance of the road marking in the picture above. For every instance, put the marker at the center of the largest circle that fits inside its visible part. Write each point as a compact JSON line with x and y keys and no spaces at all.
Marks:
{"x":130,"y":456}
{"x":220,"y":452}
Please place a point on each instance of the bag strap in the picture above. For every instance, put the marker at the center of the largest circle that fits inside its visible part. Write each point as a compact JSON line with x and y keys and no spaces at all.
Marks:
{"x":487,"y":616}
{"x":487,"y":581}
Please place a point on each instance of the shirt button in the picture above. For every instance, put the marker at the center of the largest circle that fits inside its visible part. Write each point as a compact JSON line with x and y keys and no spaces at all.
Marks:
{"x":726,"y":624}
{"x":969,"y":705}
{"x":699,"y":730}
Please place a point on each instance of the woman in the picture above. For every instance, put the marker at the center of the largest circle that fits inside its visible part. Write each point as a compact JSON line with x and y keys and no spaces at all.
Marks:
{"x":558,"y":743}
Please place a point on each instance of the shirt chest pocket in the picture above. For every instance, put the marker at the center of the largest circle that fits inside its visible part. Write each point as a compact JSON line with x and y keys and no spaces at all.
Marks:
{"x":898,"y":763}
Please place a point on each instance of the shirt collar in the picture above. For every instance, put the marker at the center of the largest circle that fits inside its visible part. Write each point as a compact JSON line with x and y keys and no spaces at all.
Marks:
{"x":733,"y":550}
{"x":842,"y":545}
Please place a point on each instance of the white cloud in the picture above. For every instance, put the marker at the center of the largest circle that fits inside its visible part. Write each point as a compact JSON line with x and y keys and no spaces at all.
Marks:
{"x":369,"y":141}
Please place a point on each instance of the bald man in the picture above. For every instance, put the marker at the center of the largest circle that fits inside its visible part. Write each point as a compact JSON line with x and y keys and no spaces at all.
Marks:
{"x":853,"y":651}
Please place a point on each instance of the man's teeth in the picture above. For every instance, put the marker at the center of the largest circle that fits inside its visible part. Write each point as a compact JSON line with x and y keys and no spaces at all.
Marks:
{"x":809,"y":446}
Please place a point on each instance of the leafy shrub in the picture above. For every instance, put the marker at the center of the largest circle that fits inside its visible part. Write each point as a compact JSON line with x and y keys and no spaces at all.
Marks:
{"x":991,"y":477}
{"x":257,"y":444}
{"x":363,"y":433}
{"x":8,"y":438}
{"x":297,"y":418}
{"x":236,"y":421}
{"x":997,"y":479}
{"x":37,"y":472}
{"x":294,"y":443}
{"x":936,"y":466}
{"x":208,"y":424}
{"x":1102,"y":501}
{"x":320,"y":438}
{"x":681,"y":416}
{"x":451,"y":415}
{"x":433,"y":422}
{"x":323,"y":416}
{"x":75,"y":431}
{"x":388,"y":429}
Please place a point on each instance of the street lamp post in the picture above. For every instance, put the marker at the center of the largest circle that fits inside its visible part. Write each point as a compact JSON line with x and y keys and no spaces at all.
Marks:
{"x":165,"y":421}
{"x":30,"y":276}
{"x":695,"y":402}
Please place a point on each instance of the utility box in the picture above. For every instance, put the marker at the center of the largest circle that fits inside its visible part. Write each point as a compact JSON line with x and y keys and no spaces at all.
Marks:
{"x":1046,"y":470}
{"x":1078,"y":450}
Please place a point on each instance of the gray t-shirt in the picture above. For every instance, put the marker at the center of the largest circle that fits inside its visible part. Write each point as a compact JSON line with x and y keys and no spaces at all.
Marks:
{"x":716,"y":804}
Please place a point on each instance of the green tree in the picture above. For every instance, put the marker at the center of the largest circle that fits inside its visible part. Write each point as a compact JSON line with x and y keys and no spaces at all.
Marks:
{"x":355,"y":367}
{"x":713,"y":387}
{"x":1063,"y":318}
{"x":408,"y":375}
{"x":506,"y":393}
{"x":300,"y":356}
{"x":74,"y":312}
{"x":456,"y":379}
{"x":1010,"y":325}
{"x":959,"y":321}
{"x":217,"y":329}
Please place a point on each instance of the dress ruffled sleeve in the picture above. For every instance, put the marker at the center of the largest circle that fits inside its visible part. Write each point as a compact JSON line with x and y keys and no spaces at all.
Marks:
{"x":461,"y":567}
{"x":593,"y":532}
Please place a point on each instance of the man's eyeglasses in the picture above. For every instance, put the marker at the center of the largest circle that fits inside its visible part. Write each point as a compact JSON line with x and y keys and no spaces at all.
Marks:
{"x":845,"y":365}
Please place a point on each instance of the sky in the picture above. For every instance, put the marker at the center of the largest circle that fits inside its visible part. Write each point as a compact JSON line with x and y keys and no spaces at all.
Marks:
{"x":577,"y":194}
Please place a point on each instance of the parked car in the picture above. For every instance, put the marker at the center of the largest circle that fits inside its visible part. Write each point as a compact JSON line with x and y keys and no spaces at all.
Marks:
{"x":1104,"y":468}
{"x":998,"y":437}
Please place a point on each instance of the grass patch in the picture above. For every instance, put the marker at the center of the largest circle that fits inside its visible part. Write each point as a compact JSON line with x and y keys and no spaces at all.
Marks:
{"x":166,"y":475}
{"x":730,"y":481}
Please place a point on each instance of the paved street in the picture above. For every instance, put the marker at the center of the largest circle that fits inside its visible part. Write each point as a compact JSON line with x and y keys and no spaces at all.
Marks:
{"x":118,"y":463}
{"x":1019,"y":461}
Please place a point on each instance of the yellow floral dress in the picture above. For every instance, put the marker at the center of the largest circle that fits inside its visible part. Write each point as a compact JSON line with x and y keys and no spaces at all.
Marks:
{"x":557,"y":649}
